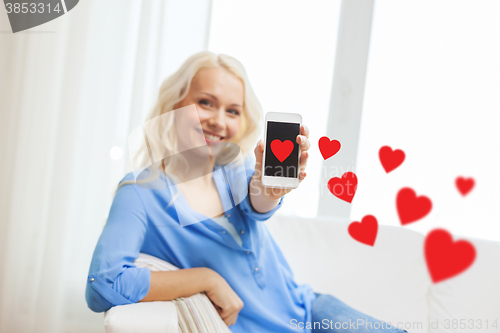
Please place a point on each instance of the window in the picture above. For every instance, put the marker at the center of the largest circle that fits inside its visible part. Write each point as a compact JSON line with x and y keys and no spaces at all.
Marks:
{"x":432,"y":89}
{"x":288,"y":50}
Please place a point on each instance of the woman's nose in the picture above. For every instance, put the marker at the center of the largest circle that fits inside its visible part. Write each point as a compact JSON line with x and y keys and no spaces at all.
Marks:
{"x":218,"y":120}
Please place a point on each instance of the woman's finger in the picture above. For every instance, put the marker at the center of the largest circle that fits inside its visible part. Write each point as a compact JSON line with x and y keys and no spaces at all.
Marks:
{"x":302,"y":175}
{"x":259,"y":152}
{"x":304,"y":155}
{"x":304,"y":130}
{"x":303,"y":142}
{"x":227,"y":316}
{"x":219,"y":309}
{"x":230,"y":319}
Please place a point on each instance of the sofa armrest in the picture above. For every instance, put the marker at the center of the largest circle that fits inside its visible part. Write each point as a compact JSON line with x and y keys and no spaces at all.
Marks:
{"x":151,"y":317}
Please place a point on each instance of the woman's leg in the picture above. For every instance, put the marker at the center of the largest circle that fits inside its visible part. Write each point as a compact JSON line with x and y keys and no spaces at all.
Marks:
{"x":329,"y":314}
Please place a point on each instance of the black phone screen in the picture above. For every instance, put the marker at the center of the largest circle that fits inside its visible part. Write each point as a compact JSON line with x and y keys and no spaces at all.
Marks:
{"x":282,"y":149}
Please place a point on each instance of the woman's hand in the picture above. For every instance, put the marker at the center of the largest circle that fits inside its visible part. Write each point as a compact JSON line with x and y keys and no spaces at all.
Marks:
{"x":272,"y":195}
{"x":226,"y":301}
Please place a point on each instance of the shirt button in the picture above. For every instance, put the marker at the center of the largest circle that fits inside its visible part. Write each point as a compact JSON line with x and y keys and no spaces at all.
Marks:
{"x":242,"y":232}
{"x":256,"y":269}
{"x":92,"y":280}
{"x":224,"y":232}
{"x":228,"y":215}
{"x":248,"y":252}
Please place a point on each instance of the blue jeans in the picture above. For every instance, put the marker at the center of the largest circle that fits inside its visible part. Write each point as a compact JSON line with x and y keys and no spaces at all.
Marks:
{"x":332,"y":315}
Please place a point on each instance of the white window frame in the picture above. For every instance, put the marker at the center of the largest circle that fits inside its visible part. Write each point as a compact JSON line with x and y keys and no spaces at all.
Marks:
{"x":344,"y":117}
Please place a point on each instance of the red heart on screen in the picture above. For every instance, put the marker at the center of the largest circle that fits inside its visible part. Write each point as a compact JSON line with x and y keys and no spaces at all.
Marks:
{"x":328,"y":148}
{"x":445,"y":258}
{"x":281,"y":149}
{"x":390,"y":159}
{"x":344,"y":188}
{"x":410,"y":207}
{"x":464,"y":185}
{"x":365,"y":231}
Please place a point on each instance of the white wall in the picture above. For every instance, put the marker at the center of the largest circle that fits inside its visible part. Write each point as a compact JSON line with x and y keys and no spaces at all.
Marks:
{"x":432,"y":90}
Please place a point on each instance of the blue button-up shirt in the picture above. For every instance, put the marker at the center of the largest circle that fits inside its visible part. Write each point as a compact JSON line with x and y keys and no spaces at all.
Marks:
{"x":161,"y":223}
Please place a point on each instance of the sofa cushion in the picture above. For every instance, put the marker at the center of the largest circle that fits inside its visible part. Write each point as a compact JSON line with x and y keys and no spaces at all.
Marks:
{"x":469,"y":302}
{"x":388,"y":281}
{"x":152,"y":317}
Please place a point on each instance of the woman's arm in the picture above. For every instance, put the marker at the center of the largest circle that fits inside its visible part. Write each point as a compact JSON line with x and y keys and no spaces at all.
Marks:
{"x":260,"y":202}
{"x":113,"y":279}
{"x":169,"y":285}
{"x":166,"y":286}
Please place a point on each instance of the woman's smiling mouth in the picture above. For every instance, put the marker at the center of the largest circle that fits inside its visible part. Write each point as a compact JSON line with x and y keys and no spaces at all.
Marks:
{"x":209,"y":136}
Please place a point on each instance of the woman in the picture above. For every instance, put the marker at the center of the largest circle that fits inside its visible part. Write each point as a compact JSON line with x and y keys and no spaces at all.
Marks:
{"x":196,"y":222}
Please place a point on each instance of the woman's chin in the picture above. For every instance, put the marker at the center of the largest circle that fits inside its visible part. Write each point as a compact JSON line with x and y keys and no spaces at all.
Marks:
{"x":216,"y":143}
{"x":216,"y":146}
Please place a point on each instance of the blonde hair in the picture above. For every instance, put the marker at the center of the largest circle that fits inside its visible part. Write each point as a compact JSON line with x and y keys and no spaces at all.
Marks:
{"x":175,"y":88}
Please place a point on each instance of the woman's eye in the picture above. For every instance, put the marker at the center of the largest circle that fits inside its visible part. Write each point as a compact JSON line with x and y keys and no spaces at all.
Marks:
{"x":233,"y":111}
{"x":205,"y":102}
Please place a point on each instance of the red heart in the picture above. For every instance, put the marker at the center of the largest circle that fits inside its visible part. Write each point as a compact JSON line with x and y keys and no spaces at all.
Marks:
{"x":365,"y":231}
{"x":341,"y":187}
{"x":446,"y":258}
{"x":410,"y":207}
{"x":281,"y":149}
{"x":464,"y":185}
{"x":328,"y":148}
{"x":390,"y":159}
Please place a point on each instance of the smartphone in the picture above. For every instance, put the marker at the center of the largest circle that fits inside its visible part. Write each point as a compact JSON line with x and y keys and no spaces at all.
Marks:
{"x":280,"y":168}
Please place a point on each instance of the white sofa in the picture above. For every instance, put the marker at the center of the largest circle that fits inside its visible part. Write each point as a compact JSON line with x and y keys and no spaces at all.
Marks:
{"x":389,"y":281}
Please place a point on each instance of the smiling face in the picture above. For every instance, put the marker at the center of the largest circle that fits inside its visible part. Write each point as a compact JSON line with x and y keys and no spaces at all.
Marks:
{"x":218,"y":96}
